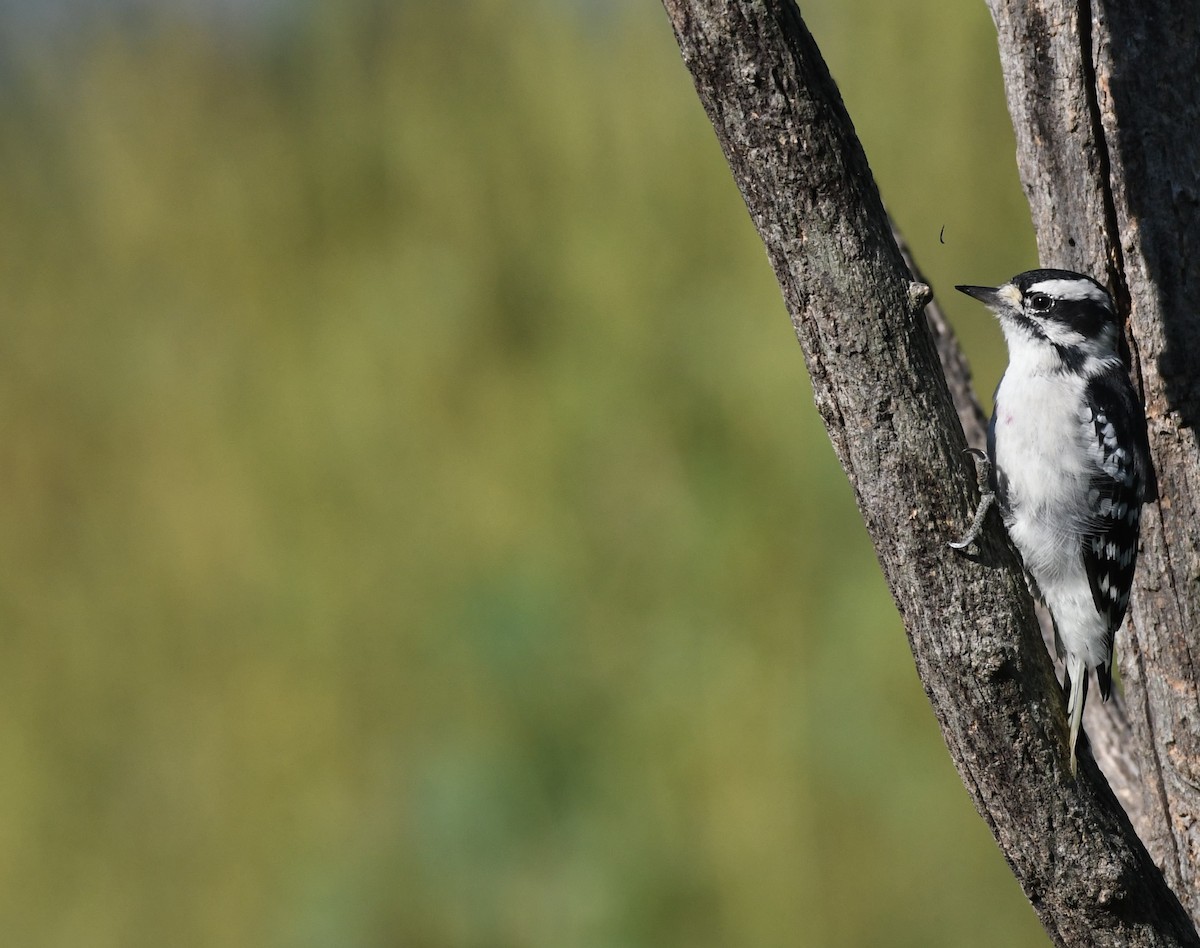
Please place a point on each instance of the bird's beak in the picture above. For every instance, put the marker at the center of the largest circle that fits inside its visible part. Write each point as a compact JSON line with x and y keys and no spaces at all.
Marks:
{"x":993,"y":297}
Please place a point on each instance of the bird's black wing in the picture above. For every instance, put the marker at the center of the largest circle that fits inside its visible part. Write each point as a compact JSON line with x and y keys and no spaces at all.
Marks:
{"x":1122,"y":478}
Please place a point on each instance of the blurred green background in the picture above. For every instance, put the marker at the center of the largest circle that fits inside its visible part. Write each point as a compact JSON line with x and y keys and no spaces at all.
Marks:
{"x":416,"y":528}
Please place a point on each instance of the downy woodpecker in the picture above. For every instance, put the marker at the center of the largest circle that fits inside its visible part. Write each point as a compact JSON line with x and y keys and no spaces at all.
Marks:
{"x":1070,"y":463}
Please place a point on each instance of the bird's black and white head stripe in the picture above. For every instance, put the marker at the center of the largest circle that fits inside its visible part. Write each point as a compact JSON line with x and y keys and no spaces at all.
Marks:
{"x":1068,"y":312}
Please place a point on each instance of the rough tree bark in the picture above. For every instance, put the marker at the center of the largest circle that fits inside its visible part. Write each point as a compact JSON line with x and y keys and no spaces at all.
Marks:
{"x":1105,"y":100}
{"x":885,"y":402}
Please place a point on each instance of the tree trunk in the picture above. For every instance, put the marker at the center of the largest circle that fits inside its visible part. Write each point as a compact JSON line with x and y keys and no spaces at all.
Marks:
{"x":882,"y":394}
{"x":1105,"y":101}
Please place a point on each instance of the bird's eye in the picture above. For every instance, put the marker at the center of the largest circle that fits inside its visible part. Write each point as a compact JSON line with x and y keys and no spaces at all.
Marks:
{"x":1039,"y":302}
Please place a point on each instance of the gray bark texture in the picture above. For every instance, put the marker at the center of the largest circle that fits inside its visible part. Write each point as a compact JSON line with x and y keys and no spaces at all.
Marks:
{"x":1105,"y":101}
{"x":883,"y":375}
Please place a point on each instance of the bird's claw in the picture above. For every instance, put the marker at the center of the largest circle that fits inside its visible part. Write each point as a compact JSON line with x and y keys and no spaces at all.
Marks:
{"x":983,"y":473}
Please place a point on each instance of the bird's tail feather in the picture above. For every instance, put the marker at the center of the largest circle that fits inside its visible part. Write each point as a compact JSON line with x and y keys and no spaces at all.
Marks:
{"x":1077,"y":688}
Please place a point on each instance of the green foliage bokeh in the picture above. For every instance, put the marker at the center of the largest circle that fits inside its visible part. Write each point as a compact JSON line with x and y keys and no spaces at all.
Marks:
{"x":417,"y":530}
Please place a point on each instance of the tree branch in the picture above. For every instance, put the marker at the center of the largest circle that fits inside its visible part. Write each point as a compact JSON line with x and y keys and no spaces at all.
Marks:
{"x":1105,"y":100}
{"x":881,"y":392}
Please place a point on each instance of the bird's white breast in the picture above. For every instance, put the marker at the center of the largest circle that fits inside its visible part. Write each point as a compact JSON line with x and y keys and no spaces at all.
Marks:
{"x":1041,"y":450}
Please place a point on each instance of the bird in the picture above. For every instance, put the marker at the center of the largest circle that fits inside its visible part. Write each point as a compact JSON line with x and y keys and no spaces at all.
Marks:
{"x":1068,"y":464}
